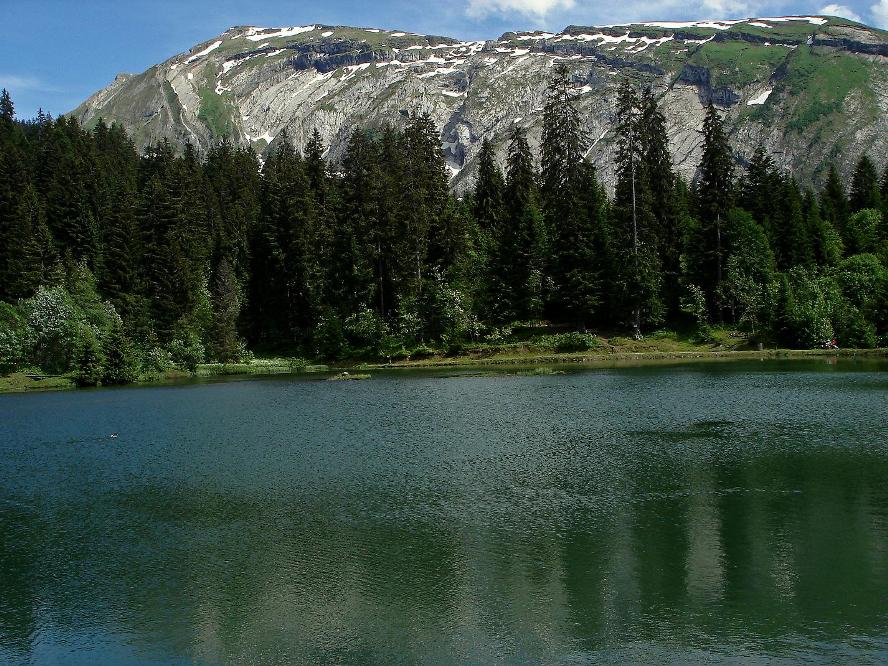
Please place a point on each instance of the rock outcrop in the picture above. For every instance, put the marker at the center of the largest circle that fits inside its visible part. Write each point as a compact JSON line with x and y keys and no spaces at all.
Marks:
{"x":810,"y":89}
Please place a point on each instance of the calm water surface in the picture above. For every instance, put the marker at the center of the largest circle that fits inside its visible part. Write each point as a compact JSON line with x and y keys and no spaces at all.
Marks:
{"x":711,"y":512}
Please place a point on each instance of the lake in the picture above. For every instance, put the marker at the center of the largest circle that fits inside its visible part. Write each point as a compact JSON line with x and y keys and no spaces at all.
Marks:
{"x":661,"y":514}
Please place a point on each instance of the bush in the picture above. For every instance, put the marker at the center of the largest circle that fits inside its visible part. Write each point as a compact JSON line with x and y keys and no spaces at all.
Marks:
{"x":329,"y":339}
{"x":694,"y":304}
{"x":14,"y":339}
{"x":51,"y":316}
{"x":158,"y":360}
{"x":121,"y":364}
{"x":187,"y":352}
{"x":89,"y":358}
{"x":365,"y":330}
{"x":575,"y":342}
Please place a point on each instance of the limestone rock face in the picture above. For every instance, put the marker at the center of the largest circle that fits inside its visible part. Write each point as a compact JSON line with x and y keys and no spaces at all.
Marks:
{"x":810,"y":89}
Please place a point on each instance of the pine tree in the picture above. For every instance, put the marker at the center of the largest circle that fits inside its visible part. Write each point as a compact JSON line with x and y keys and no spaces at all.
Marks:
{"x":487,"y":197}
{"x":563,"y":147}
{"x":32,"y":261}
{"x":715,"y":196}
{"x":225,"y":292}
{"x":120,"y":363}
{"x":425,"y":201}
{"x":636,"y":224}
{"x":357,"y":262}
{"x":7,"y":109}
{"x":571,"y":198}
{"x":834,"y":202}
{"x":516,"y":257}
{"x":89,"y":359}
{"x":759,"y":190}
{"x":291,"y":215}
{"x":865,"y":186}
{"x":826,"y":244}
{"x":795,"y":247}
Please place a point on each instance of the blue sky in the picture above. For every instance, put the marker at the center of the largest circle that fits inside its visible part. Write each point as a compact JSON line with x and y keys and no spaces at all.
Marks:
{"x":55,"y":53}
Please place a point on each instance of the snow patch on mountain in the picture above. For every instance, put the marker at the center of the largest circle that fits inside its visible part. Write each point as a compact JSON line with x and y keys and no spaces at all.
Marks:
{"x":761,"y":99}
{"x":280,"y":32}
{"x":212,"y":47}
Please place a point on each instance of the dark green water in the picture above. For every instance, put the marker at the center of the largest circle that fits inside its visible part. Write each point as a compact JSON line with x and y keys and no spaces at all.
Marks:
{"x":713,"y":512}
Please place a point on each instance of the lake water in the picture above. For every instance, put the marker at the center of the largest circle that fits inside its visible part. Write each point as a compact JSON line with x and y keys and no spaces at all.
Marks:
{"x":707,"y":512}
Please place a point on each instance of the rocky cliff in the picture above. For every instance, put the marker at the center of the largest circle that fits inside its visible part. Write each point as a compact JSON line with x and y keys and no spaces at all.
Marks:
{"x":811,"y":89}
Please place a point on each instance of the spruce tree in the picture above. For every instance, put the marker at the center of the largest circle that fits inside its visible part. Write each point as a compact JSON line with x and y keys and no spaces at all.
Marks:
{"x":225,"y":292}
{"x":357,"y":260}
{"x":570,"y":203}
{"x":516,"y":257}
{"x":834,"y":201}
{"x":795,"y":246}
{"x":120,"y":365}
{"x":487,"y":198}
{"x":32,"y":261}
{"x":7,"y":108}
{"x":633,"y":210}
{"x":865,"y":186}
{"x":562,"y":147}
{"x":715,"y":196}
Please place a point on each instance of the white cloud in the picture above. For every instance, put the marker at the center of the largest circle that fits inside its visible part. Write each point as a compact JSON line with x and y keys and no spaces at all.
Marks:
{"x":839,"y":10}
{"x":536,"y":8}
{"x":880,"y":14}
{"x":16,"y":82}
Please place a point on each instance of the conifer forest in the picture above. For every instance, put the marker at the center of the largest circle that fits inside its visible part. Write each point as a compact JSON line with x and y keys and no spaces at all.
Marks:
{"x":114,"y":264}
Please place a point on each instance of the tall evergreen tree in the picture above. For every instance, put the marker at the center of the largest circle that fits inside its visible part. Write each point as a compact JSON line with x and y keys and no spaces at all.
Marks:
{"x":834,"y":206}
{"x":516,"y":265}
{"x":865,"y":186}
{"x":636,"y":223}
{"x":715,"y":196}
{"x":570,"y":221}
{"x":487,"y":197}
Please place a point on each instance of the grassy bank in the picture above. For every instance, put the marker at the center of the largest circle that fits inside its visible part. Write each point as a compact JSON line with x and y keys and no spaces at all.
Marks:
{"x":535,"y":355}
{"x":21,"y":383}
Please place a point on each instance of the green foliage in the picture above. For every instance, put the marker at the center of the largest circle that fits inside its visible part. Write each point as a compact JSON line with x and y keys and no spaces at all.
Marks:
{"x":575,"y":342}
{"x":89,"y":360}
{"x":53,"y":323}
{"x":112,"y":263}
{"x":863,"y":231}
{"x":366,"y":332}
{"x":14,"y":339}
{"x":121,"y":364}
{"x":694,"y":304}
{"x":187,"y":351}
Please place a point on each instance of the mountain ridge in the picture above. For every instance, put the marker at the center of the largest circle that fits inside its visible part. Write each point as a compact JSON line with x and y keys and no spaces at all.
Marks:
{"x":811,"y":89}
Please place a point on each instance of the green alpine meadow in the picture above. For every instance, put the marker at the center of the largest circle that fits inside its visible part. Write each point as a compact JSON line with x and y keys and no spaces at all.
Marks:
{"x":335,"y":344}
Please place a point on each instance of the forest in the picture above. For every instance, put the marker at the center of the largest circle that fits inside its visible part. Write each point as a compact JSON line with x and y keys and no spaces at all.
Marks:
{"x":116,"y":265}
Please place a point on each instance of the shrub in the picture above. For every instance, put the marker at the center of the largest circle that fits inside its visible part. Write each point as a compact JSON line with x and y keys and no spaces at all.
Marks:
{"x":89,"y":358}
{"x":14,"y":338}
{"x":694,"y":304}
{"x":575,"y":342}
{"x":158,"y":360}
{"x":187,"y":352}
{"x":51,"y":316}
{"x":121,"y":364}
{"x":366,"y":330}
{"x":329,"y":339}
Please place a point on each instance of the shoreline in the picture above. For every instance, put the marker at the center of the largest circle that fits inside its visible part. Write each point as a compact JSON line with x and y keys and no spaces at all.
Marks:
{"x":20,"y":383}
{"x":628,"y":358}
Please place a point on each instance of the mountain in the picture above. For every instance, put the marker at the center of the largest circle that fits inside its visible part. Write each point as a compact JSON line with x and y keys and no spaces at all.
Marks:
{"x":811,"y":89}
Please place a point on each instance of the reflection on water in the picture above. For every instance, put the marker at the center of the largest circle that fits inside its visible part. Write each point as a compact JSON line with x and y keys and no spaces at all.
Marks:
{"x":640,"y":515}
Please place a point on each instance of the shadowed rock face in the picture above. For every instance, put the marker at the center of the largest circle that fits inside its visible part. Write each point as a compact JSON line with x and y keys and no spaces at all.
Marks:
{"x":809,"y":89}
